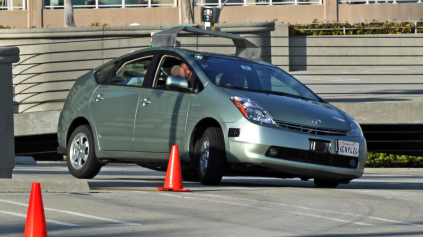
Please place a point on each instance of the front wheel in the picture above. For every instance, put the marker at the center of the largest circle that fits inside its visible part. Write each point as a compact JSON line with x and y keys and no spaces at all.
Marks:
{"x":212,"y":157}
{"x":81,"y":159}
{"x":324,"y":183}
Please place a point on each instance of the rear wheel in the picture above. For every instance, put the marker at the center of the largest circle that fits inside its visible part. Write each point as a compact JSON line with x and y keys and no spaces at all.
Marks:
{"x":212,"y":158}
{"x":81,"y":159}
{"x":324,"y":183}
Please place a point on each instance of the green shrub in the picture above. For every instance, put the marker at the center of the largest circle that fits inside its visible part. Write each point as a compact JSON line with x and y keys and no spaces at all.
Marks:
{"x":4,"y":27}
{"x":389,"y":160}
{"x":98,"y":24}
{"x":361,"y":28}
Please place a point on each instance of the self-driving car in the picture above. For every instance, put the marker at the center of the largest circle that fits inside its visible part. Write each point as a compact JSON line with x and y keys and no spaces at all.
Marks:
{"x":229,"y":115}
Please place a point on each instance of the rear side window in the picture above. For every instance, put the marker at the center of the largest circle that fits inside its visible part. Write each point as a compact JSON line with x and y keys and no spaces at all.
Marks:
{"x":101,"y":74}
{"x":132,"y":73}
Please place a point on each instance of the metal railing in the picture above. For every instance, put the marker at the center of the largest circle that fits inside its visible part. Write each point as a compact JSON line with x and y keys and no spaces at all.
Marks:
{"x":98,"y":4}
{"x":11,"y":5}
{"x":378,"y":1}
{"x":418,"y":26}
{"x":257,"y":2}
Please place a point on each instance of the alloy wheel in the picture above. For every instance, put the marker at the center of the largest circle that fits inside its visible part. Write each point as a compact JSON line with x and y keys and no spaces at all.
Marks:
{"x":204,"y":158}
{"x":79,"y":151}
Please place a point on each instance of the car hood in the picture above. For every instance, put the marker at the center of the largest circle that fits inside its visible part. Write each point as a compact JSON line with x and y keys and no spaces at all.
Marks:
{"x":297,"y":111}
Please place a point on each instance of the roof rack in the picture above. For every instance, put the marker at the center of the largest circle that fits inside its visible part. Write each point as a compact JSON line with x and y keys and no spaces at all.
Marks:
{"x":244,"y":48}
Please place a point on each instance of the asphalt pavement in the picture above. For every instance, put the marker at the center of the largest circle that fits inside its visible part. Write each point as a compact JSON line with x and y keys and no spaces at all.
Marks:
{"x":124,"y":202}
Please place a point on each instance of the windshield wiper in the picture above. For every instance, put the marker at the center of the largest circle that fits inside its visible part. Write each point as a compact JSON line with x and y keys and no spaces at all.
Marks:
{"x":237,"y":87}
{"x":270,"y":92}
{"x":284,"y":94}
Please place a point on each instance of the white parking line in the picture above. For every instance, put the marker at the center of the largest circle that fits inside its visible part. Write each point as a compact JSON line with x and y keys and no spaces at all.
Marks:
{"x":264,"y":208}
{"x":74,"y":213}
{"x":47,"y":220}
{"x":312,"y":209}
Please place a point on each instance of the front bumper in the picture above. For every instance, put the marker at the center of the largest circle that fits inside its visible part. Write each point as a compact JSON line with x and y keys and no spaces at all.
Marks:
{"x":255,"y":140}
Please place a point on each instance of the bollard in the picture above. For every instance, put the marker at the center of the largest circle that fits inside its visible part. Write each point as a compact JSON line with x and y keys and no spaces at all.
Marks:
{"x":8,"y":55}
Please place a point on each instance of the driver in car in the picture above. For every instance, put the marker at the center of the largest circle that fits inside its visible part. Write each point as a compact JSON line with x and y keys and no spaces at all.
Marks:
{"x":185,"y":72}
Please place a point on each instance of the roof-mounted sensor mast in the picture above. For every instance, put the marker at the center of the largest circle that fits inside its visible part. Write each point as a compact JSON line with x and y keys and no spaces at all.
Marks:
{"x":244,"y":48}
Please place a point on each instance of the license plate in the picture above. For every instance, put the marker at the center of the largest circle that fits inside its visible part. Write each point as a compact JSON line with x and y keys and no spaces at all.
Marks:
{"x":348,"y":148}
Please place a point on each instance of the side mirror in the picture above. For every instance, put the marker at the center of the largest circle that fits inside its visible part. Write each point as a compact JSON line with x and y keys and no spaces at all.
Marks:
{"x":178,"y":82}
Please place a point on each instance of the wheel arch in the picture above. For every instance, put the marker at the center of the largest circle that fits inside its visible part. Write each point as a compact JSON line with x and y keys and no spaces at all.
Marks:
{"x":198,"y":131}
{"x":76,"y":123}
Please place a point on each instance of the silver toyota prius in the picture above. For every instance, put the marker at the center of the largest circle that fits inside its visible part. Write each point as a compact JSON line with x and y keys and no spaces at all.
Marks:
{"x":228,"y":115}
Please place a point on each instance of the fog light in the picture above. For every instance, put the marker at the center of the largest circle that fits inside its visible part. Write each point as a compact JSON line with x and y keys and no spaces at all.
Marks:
{"x":352,"y":163}
{"x":273,"y":152}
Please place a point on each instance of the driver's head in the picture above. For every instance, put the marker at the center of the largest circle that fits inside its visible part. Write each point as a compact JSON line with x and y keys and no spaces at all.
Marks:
{"x":185,"y":71}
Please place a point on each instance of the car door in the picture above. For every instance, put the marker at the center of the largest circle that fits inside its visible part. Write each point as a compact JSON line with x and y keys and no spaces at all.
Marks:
{"x":162,"y":113}
{"x":113,"y":105}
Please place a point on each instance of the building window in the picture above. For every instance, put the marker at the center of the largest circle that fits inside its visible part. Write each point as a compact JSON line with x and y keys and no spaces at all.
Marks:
{"x":81,"y":4}
{"x":12,"y":5}
{"x":255,"y":2}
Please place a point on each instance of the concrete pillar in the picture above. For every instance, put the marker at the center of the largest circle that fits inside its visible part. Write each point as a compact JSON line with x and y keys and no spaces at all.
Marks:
{"x":35,"y":13}
{"x":8,"y":55}
{"x":331,"y":10}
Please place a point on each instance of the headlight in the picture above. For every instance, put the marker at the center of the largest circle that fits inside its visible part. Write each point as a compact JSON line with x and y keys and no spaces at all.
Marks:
{"x":251,"y":110}
{"x":355,"y":129}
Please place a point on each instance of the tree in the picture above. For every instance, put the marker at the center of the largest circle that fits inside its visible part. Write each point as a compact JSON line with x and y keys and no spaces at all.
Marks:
{"x":69,"y":21}
{"x":187,"y":12}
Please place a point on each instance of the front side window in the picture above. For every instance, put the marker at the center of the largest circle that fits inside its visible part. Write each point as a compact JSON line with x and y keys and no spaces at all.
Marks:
{"x":244,"y":75}
{"x":102,"y":73}
{"x":132,"y":73}
{"x":172,"y":66}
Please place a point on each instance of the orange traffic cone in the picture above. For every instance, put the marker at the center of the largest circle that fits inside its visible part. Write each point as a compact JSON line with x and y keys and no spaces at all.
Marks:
{"x":173,"y":181}
{"x":35,"y":220}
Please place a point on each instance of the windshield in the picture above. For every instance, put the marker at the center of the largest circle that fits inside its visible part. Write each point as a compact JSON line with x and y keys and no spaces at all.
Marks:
{"x":242,"y":75}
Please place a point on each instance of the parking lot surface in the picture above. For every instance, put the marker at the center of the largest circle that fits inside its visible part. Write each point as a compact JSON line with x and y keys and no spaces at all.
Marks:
{"x":124,"y":202}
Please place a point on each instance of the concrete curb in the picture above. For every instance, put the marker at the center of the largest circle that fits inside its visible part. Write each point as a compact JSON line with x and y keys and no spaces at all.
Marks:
{"x":47,"y":185}
{"x":25,"y":160}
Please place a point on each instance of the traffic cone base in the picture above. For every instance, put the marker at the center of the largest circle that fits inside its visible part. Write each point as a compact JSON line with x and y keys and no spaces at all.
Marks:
{"x":174,"y":190}
{"x":173,"y":181}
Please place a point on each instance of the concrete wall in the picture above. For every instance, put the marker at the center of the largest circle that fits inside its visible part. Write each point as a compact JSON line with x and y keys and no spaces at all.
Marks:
{"x":171,"y":15}
{"x":375,"y":78}
{"x":355,"y":51}
{"x":51,"y":60}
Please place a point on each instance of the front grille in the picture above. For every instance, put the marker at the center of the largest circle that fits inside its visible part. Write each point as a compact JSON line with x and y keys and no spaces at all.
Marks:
{"x":314,"y":157}
{"x":318,"y":131}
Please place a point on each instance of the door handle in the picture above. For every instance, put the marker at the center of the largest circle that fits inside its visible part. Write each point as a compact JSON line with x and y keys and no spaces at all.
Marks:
{"x":98,"y":98}
{"x":145,"y":101}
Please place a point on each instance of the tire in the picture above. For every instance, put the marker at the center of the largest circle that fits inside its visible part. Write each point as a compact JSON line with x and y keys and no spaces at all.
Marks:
{"x":81,"y":159}
{"x":211,"y":156}
{"x":324,"y":183}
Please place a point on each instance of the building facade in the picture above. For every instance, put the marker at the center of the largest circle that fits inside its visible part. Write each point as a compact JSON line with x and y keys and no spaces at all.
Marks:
{"x":50,"y":13}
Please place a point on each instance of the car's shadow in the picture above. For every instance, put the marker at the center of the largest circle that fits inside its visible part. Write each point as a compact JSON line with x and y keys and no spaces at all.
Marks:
{"x":130,"y":177}
{"x":367,"y":183}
